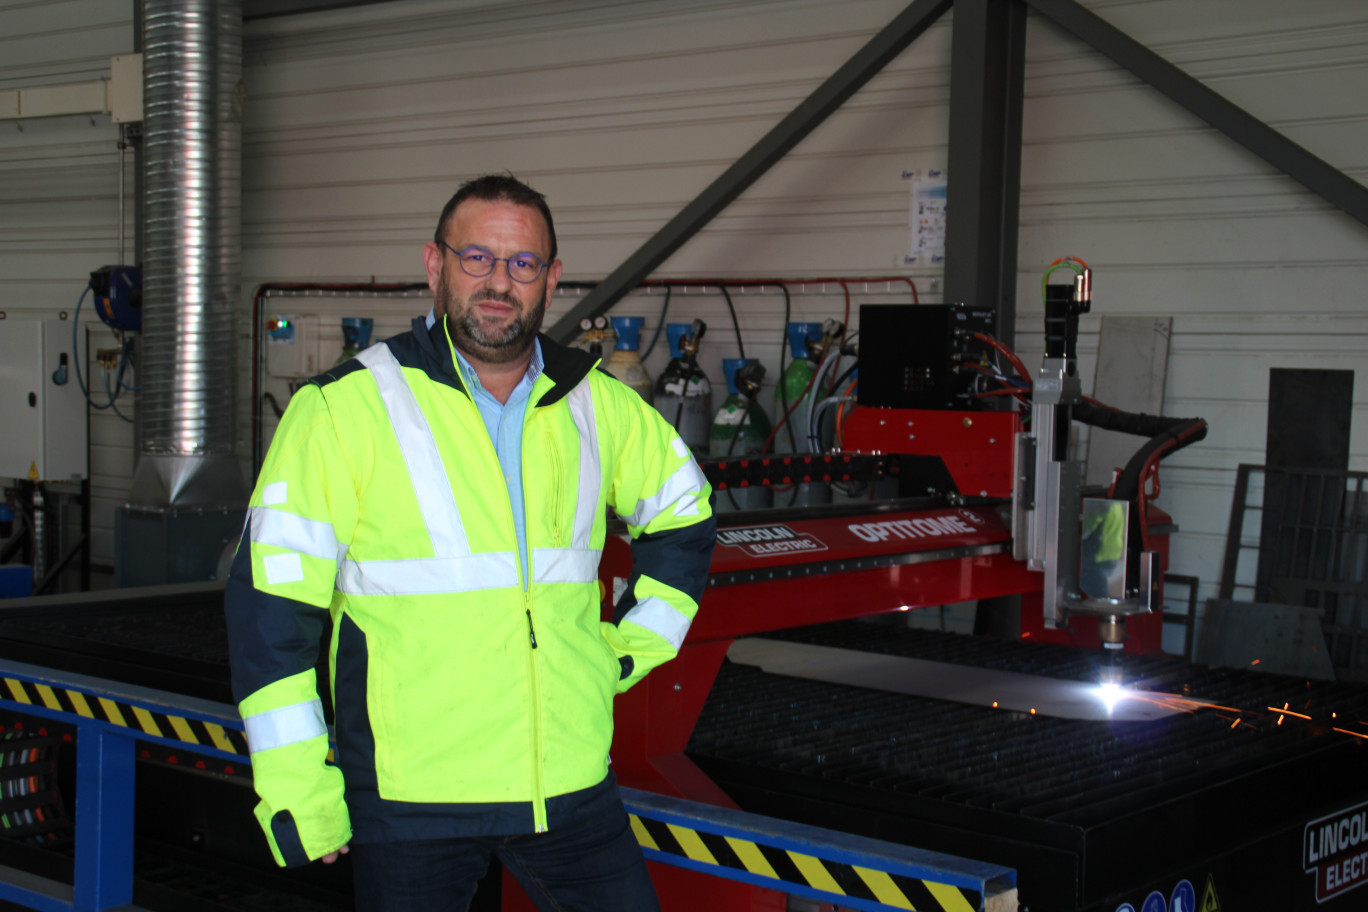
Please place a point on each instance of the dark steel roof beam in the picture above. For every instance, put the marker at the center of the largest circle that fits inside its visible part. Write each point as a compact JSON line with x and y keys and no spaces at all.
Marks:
{"x":1317,"y":175}
{"x":805,"y":118}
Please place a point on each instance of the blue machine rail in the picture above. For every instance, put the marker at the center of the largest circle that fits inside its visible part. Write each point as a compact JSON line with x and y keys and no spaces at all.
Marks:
{"x":111,"y":718}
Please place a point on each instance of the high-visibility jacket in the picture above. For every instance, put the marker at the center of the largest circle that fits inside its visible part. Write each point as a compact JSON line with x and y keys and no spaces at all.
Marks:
{"x":468,"y":700}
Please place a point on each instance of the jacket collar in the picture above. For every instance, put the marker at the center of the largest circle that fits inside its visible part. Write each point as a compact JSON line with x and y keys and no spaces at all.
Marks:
{"x":564,"y":366}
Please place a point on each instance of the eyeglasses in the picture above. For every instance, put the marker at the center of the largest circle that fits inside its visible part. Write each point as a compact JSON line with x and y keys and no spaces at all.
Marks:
{"x":478,"y":262}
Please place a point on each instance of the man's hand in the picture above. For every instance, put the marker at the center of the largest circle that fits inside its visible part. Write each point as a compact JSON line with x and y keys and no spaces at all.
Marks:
{"x":332,"y":856}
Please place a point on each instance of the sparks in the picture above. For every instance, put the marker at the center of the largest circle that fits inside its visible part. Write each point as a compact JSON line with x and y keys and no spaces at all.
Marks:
{"x":1235,"y":723}
{"x":1287,"y":712}
{"x":1355,"y":734}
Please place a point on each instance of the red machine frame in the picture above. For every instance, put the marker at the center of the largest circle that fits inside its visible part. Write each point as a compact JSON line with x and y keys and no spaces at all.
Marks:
{"x":867,"y":563}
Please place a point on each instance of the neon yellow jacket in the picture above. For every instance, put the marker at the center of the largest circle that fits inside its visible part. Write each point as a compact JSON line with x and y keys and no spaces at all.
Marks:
{"x":468,"y":700}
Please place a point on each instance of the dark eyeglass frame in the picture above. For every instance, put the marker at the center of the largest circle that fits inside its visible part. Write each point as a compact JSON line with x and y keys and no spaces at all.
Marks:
{"x":494,"y":262}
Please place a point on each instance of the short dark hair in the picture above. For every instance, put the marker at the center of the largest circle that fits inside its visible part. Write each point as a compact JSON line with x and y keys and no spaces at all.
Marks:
{"x":497,"y":188}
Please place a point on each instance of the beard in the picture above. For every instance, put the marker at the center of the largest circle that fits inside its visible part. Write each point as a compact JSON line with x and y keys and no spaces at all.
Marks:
{"x":490,"y":342}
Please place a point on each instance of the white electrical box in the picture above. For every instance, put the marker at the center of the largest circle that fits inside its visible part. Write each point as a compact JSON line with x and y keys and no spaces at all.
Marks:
{"x":292,"y":346}
{"x":42,"y":410}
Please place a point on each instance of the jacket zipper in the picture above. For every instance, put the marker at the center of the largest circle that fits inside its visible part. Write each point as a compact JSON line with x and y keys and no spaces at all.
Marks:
{"x":538,"y":787}
{"x":539,"y":824}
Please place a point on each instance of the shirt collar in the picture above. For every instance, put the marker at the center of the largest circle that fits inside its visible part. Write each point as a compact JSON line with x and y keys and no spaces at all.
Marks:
{"x":472,"y":379}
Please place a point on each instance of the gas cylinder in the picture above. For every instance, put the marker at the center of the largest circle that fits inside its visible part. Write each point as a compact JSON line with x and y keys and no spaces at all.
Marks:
{"x":740,"y":428}
{"x":683,"y":394}
{"x":356,"y":332}
{"x":793,"y":385}
{"x":792,"y":396}
{"x":625,"y":361}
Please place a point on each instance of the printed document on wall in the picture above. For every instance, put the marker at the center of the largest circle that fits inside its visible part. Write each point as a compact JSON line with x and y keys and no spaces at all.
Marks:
{"x":927,"y":217}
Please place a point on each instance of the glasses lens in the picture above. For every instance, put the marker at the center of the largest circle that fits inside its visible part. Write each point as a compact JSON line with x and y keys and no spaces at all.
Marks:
{"x":476,"y":261}
{"x":524,"y":267}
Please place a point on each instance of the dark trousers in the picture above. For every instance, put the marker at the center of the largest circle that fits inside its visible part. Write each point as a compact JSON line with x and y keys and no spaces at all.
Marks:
{"x":592,"y":865}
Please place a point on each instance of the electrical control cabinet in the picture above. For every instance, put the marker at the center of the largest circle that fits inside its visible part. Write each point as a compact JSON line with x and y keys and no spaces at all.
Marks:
{"x":914,"y":355}
{"x":292,"y":349}
{"x":42,"y":410}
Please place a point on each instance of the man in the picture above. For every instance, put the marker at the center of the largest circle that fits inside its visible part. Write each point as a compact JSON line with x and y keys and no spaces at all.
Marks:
{"x":442,"y":497}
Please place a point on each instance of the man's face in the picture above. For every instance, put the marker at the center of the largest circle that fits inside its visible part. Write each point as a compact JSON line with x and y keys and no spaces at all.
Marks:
{"x":492,"y":319}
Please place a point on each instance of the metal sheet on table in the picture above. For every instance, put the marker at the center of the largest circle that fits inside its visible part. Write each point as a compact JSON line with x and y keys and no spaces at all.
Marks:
{"x":1006,"y":690}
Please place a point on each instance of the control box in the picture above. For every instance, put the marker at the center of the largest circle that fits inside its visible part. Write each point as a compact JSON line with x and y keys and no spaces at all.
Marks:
{"x":913,"y":356}
{"x":42,"y":409}
{"x":292,"y":350}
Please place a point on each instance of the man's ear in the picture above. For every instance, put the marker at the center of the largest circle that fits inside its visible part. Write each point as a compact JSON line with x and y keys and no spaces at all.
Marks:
{"x":553,"y":274}
{"x":432,"y":265}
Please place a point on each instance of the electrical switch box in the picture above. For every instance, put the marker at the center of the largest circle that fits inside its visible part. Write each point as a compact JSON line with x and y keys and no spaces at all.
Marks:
{"x":42,"y":409}
{"x":292,"y":350}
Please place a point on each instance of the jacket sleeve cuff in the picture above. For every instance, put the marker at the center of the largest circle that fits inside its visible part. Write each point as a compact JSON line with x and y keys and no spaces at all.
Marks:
{"x":290,"y":847}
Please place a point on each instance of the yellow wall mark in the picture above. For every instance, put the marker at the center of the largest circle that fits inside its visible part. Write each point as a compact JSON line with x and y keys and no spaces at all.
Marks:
{"x":816,"y":873}
{"x":751,"y":856}
{"x":643,"y":835}
{"x":17,"y":691}
{"x":883,"y":887}
{"x":183,"y":729}
{"x":48,"y":697}
{"x":692,"y":845}
{"x":951,"y":898}
{"x":145,"y":720}
{"x":112,"y":711}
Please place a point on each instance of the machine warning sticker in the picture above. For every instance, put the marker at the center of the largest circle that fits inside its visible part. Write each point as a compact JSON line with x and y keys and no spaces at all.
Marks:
{"x":1335,"y":849}
{"x":764,"y":541}
{"x":1154,"y":903}
{"x":1210,"y":902}
{"x":1184,"y":897}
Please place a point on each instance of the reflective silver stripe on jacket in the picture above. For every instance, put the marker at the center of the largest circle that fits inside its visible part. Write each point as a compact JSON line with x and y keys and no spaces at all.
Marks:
{"x":419,"y":448}
{"x":579,"y":562}
{"x":454,"y":568}
{"x":429,"y":575}
{"x":659,"y":617}
{"x":565,"y":565}
{"x":687,"y":480}
{"x":581,"y":402}
{"x":289,"y":530}
{"x":286,"y":725}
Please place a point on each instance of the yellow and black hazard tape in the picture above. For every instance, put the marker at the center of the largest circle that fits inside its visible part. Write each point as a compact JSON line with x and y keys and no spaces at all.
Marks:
{"x":125,"y":715}
{"x":790,"y":867}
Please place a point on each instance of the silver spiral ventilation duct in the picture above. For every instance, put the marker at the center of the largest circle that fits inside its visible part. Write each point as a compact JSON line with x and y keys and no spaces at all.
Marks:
{"x":192,"y":183}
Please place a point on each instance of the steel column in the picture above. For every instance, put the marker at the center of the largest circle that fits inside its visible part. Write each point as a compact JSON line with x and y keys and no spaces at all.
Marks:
{"x":987,"y":63}
{"x":1317,"y":175}
{"x":805,"y":118}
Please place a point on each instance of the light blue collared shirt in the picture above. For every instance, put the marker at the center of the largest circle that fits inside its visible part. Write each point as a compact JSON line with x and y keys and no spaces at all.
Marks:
{"x":504,"y":422}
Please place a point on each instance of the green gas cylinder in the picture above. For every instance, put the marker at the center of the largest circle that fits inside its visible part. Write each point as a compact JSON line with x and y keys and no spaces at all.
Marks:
{"x":740,"y":427}
{"x":793,"y":386}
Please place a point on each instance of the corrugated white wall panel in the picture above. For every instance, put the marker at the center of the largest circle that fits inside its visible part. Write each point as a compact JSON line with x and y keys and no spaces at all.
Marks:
{"x":360,"y":122}
{"x":59,"y":204}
